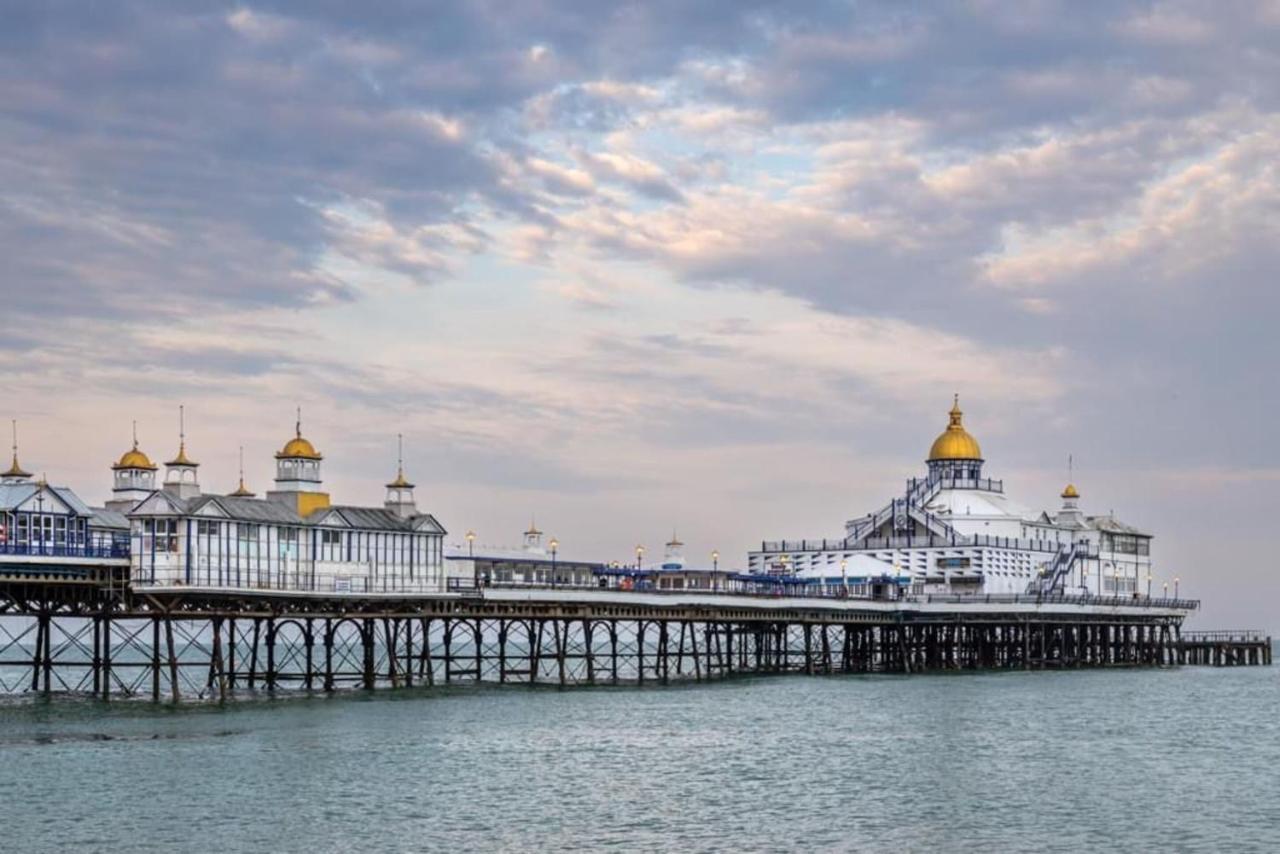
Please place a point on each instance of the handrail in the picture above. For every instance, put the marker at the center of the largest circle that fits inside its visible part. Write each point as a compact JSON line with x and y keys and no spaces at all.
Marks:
{"x":1237,"y":635}
{"x":47,"y":549}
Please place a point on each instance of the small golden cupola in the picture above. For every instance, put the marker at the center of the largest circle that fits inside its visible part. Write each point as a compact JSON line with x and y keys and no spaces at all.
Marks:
{"x":180,"y":472}
{"x":242,"y":491}
{"x":134,"y":477}
{"x":1071,"y":491}
{"x":955,"y":453}
{"x":16,"y":473}
{"x":298,"y":474}
{"x":400,"y":491}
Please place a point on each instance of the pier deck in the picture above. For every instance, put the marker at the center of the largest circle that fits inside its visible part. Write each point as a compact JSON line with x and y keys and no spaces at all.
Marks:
{"x":93,"y":634}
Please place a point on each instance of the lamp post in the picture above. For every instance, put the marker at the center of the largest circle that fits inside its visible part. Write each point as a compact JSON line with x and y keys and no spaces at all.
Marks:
{"x":1148,"y":585}
{"x":715,"y":569}
{"x":639,"y":557}
{"x":1176,"y":579}
{"x":471,"y":539}
{"x":554,"y":545}
{"x":1165,"y":587}
{"x":844,"y":575}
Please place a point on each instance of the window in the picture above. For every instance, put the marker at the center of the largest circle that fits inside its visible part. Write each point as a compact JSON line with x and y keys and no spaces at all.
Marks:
{"x":330,"y":538}
{"x":288,"y":535}
{"x":207,"y":529}
{"x":248,"y":533}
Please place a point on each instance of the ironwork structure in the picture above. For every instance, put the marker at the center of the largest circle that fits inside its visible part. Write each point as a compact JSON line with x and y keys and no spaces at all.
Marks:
{"x":92,"y":634}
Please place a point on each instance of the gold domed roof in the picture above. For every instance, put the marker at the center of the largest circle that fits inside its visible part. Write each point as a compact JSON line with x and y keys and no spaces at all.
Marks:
{"x":15,"y":470}
{"x":1071,"y":491}
{"x":182,"y":459}
{"x":135,"y":459}
{"x":298,"y":447}
{"x":955,"y":443}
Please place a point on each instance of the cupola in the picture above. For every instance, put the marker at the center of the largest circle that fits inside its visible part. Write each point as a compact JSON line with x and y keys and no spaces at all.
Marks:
{"x":242,"y":491}
{"x":533,"y":539}
{"x":400,"y":491}
{"x":298,"y":474}
{"x":955,"y":453}
{"x":134,"y":477}
{"x":15,"y":472}
{"x":180,"y":472}
{"x":673,"y":555}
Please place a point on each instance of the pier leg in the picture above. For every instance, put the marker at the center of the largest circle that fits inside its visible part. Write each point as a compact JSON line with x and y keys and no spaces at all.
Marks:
{"x":106,"y":656}
{"x":368,"y":637}
{"x":175,"y":690}
{"x":309,"y":638}
{"x":328,"y":654}
{"x":155,"y":659}
{"x":587,"y":632}
{"x":613,"y":651}
{"x":697,"y":664}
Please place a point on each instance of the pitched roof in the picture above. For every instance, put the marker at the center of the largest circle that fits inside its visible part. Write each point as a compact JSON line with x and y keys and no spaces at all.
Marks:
{"x":104,"y":518}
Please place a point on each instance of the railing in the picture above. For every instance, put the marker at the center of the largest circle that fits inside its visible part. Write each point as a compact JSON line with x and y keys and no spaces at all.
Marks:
{"x":777,"y":589}
{"x":47,"y":549}
{"x":1226,"y":636}
{"x":913,"y":542}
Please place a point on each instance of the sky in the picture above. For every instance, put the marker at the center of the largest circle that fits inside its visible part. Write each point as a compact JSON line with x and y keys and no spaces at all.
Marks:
{"x":711,"y":267}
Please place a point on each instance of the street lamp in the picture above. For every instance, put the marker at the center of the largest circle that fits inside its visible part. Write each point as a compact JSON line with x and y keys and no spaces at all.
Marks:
{"x":471,"y":539}
{"x":639,"y":557}
{"x":844,"y":575}
{"x":715,"y":568}
{"x":554,"y":545}
{"x":1165,"y":586}
{"x":1176,"y":579}
{"x":1148,"y":585}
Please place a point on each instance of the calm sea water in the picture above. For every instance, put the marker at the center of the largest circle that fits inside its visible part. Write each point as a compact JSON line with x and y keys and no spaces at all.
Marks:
{"x":1120,"y":760}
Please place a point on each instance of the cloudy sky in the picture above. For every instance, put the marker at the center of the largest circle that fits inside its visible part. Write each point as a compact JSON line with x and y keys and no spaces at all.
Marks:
{"x":718,"y":266}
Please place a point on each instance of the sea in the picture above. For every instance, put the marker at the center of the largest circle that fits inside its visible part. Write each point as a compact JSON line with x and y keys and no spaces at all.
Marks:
{"x":1183,"y":759}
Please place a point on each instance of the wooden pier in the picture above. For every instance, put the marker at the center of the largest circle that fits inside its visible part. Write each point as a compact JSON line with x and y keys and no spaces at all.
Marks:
{"x":1225,"y":648}
{"x":63,"y":636}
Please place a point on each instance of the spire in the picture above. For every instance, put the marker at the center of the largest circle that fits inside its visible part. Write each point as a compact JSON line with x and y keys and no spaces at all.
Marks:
{"x":1070,"y":492}
{"x":297,"y":425}
{"x":15,"y":471}
{"x":400,"y":482}
{"x":181,"y":459}
{"x":675,"y":540}
{"x":242,"y":491}
{"x":135,"y":434}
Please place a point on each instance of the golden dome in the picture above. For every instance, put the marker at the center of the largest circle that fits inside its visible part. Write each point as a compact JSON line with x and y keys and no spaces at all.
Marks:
{"x":182,"y":459}
{"x":955,"y":443}
{"x":135,"y":459}
{"x":299,"y":447}
{"x":1071,"y":491}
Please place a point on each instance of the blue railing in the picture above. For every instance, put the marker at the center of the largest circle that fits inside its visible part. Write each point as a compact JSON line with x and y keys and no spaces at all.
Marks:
{"x":47,"y":549}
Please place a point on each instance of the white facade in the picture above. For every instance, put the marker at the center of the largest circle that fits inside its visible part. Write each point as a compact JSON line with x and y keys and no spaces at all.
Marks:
{"x":955,"y":531}
{"x":293,"y":540}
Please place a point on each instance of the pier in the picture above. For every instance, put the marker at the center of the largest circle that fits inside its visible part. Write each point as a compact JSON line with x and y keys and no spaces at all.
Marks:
{"x":98,"y":635}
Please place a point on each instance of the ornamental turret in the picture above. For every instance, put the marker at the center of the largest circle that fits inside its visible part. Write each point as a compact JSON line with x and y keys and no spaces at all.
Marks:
{"x":180,"y":472}
{"x":673,"y":554}
{"x":400,"y":491}
{"x":15,"y":473}
{"x":955,"y":454}
{"x":533,"y":539}
{"x":134,"y":477}
{"x":241,"y":491}
{"x":298,"y":474}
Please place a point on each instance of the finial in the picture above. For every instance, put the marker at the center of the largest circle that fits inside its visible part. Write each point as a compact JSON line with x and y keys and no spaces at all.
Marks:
{"x":297,"y":425}
{"x":135,"y":434}
{"x":182,"y":429}
{"x":400,"y":454}
{"x":1071,"y":469}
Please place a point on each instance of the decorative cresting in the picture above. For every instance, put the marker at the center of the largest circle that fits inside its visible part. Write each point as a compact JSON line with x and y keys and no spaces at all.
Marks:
{"x":955,"y":453}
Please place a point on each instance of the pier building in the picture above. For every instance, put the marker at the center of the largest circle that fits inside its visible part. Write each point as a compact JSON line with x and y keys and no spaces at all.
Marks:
{"x":294,"y":539}
{"x":955,"y":530}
